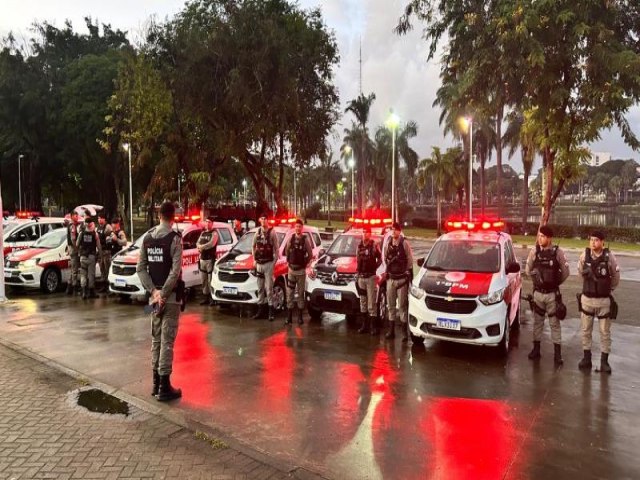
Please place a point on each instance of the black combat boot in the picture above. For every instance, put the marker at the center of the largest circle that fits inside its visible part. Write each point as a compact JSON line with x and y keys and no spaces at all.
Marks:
{"x":585,"y":363}
{"x":166,"y":392}
{"x":156,"y":383}
{"x":373,"y":320}
{"x":604,"y":363}
{"x":300,"y":320}
{"x":69,"y":289}
{"x":289,"y":319}
{"x":405,"y":332}
{"x":85,"y":293}
{"x":557,"y":354}
{"x":92,"y":293}
{"x":391,"y":333}
{"x":259,"y":311}
{"x":364,"y":328}
{"x":272,"y":314}
{"x":534,"y":354}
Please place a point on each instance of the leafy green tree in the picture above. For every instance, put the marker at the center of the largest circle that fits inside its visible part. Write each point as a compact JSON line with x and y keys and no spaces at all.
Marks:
{"x":442,"y":169}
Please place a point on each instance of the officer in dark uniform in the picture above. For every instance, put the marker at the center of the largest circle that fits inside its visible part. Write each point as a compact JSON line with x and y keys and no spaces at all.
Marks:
{"x":90,"y":249}
{"x":238,"y":228}
{"x":118,"y":239}
{"x":207,"y":244}
{"x":399,"y":263}
{"x":265,"y":254}
{"x":299,"y":253}
{"x":104,"y":234}
{"x":369,"y":258}
{"x":601,"y":275}
{"x":160,"y":271}
{"x":73,"y":231}
{"x":548,"y":268}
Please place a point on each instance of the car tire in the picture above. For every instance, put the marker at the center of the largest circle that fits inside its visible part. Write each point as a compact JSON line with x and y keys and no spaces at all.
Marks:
{"x":415,"y":339}
{"x":279,"y":296}
{"x":382,"y":309}
{"x":315,"y":314}
{"x":505,"y":341}
{"x":51,"y":280}
{"x":515,"y":325}
{"x":352,"y":320}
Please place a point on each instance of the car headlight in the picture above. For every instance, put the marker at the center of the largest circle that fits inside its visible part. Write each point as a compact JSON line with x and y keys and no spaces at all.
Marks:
{"x":492,"y":298}
{"x":417,"y":292}
{"x":311,"y":273}
{"x":32,"y":262}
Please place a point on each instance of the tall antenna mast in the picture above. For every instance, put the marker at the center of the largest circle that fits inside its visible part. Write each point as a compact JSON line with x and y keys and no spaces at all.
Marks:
{"x":360,"y":65}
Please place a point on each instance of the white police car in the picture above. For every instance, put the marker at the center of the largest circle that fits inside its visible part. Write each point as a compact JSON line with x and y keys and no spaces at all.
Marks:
{"x":25,"y":229}
{"x":468,"y":287}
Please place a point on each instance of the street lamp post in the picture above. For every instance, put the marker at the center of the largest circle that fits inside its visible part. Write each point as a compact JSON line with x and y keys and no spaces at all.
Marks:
{"x":351,"y":164}
{"x":3,"y":298}
{"x":392,"y":122}
{"x":127,"y":147}
{"x":295,"y":202}
{"x":19,"y":183}
{"x":470,"y":120}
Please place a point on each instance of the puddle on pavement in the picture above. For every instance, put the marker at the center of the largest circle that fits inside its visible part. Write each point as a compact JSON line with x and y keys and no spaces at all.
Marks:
{"x":97,"y":401}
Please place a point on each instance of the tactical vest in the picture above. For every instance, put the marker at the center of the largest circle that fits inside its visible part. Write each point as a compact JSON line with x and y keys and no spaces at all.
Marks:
{"x":205,"y":237}
{"x":366,"y":259}
{"x":113,"y":244}
{"x":264,"y":248}
{"x":297,"y":255}
{"x":550,"y":276}
{"x":396,"y":259}
{"x":597,"y":285}
{"x":72,"y":234}
{"x":88,"y":243}
{"x":104,"y":240}
{"x":239,"y":233}
{"x":158,"y":252}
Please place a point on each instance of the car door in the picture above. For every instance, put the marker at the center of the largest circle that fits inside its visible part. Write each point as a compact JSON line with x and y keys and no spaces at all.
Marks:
{"x":512,"y":294}
{"x":225,"y":240}
{"x":191,"y":258}
{"x":24,"y":237}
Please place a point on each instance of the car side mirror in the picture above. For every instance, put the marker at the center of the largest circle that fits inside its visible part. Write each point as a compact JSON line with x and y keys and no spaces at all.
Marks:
{"x":420,"y":262}
{"x":513,"y":267}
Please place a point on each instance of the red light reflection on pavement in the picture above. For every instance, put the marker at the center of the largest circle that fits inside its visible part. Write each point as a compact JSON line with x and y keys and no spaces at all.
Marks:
{"x":195,"y":362}
{"x":277,"y":374}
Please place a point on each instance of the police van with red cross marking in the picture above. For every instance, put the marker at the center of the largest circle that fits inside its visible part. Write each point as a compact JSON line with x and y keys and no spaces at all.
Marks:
{"x":123,"y":279}
{"x":468,"y":287}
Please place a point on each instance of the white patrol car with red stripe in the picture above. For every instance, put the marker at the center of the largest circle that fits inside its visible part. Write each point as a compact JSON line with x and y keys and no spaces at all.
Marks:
{"x":233,"y":280}
{"x":45,"y":265}
{"x":468,"y":287}
{"x":331,"y":280}
{"x":123,"y":279}
{"x":25,"y":229}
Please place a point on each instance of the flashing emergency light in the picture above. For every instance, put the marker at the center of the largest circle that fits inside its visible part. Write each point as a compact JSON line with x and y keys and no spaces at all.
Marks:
{"x":25,"y":214}
{"x":194,"y":218}
{"x":478,"y":225}
{"x":358,"y":221}
{"x":283,"y":221}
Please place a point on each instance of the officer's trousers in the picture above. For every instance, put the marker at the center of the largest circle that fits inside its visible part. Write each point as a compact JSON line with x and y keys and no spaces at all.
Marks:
{"x":88,"y":271}
{"x":398,"y":299}
{"x":546,"y":302}
{"x":206,"y":271}
{"x":295,"y":285}
{"x":164,"y":329}
{"x":368,"y":298}
{"x":596,"y":307}
{"x":74,"y":267}
{"x":105,"y":265}
{"x":265,"y":282}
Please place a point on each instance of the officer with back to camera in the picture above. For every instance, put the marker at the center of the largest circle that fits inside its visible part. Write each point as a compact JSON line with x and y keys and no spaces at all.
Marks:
{"x":299,"y":253}
{"x":369,"y":258}
{"x":160,"y":271}
{"x":104,"y":234}
{"x":600,"y":276}
{"x":265,"y":254}
{"x":207,"y":244}
{"x":548,"y":268}
{"x":399,"y":262}
{"x":73,"y":231}
{"x":90,"y":249}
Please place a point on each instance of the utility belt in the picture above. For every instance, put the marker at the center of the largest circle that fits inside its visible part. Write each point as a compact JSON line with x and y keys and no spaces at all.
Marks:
{"x":545,"y":290}
{"x":363,"y":276}
{"x":561,"y":308}
{"x":613,"y":307}
{"x":181,"y":293}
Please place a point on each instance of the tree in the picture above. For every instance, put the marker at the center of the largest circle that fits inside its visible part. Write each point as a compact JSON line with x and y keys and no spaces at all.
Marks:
{"x":615,"y":185}
{"x":442,"y":169}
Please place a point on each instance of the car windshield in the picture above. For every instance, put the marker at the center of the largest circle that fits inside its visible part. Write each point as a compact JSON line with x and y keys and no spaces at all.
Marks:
{"x":347,"y":245}
{"x":464,"y":256}
{"x":8,"y":226}
{"x":52,"y":239}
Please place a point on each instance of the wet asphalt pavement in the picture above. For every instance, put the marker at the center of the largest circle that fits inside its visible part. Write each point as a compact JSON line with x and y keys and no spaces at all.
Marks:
{"x":350,"y":406}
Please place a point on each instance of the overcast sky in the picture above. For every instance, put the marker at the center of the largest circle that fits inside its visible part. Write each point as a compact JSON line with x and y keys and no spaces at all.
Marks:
{"x":393,"y":67}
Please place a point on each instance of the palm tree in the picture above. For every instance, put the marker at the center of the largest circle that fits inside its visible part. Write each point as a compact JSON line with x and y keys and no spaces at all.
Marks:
{"x":360,"y":107}
{"x":330,"y":175}
{"x":484,"y":140}
{"x":362,"y":150}
{"x":442,"y":169}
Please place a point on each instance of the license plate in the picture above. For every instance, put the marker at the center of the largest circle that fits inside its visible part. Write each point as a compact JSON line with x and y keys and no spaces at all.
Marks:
{"x":121,"y":282}
{"x":230,"y":290}
{"x":448,"y":323}
{"x":331,"y":295}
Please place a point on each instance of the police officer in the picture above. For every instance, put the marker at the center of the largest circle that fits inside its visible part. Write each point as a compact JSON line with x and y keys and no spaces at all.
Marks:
{"x":238,"y":228}
{"x":265,"y":255}
{"x":160,"y":271}
{"x":548,"y":268}
{"x":207,"y":244}
{"x":299,"y":253}
{"x":104,"y":234}
{"x":73,"y":231}
{"x":90,"y":249}
{"x":118,"y":238}
{"x":369,"y":258}
{"x":399,"y":262}
{"x":601,"y":275}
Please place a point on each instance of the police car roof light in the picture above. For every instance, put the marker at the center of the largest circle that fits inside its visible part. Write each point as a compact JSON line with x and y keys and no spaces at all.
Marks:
{"x":475,"y":225}
{"x":370,"y":221}
{"x":283,"y":221}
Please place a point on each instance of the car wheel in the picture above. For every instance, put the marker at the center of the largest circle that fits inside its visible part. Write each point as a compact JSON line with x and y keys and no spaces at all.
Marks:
{"x":381,"y":305}
{"x":503,"y":346}
{"x":516,"y":321}
{"x":352,"y":320}
{"x":314,"y":313}
{"x":415,"y":339}
{"x":279,"y":296}
{"x":51,"y":280}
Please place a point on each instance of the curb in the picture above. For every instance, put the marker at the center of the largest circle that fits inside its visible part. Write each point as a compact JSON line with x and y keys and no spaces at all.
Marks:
{"x":177,"y":418}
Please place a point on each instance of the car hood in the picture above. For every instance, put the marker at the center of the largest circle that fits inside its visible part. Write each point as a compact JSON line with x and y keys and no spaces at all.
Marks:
{"x":456,"y":283}
{"x":22,"y":255}
{"x":236,"y":261}
{"x":128,"y":256}
{"x":332,"y":263}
